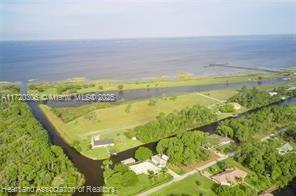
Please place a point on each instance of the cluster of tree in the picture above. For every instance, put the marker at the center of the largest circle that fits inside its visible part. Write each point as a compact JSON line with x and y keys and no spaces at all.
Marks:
{"x":143,"y":154}
{"x":184,"y":148}
{"x":264,"y":159}
{"x":173,"y":123}
{"x":120,"y":87}
{"x":8,"y":89}
{"x":233,"y":190}
{"x":226,"y":108}
{"x":290,"y":134}
{"x":243,"y":128}
{"x":285,"y":91}
{"x":72,"y":88}
{"x":253,"y":97}
{"x":118,"y":175}
{"x":36,"y":87}
{"x":291,"y":93}
{"x":68,"y":114}
{"x":27,"y":159}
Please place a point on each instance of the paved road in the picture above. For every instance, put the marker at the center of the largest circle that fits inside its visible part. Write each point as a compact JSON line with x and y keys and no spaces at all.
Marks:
{"x":181,"y":177}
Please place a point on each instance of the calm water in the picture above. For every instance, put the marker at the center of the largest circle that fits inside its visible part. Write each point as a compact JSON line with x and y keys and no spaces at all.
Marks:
{"x":138,"y":58}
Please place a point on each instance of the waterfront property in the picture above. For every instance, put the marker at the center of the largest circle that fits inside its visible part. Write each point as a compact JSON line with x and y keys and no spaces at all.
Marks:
{"x":144,"y":168}
{"x":128,"y":161}
{"x":96,"y":142}
{"x":272,"y":93}
{"x":229,"y":176}
{"x":160,"y":160}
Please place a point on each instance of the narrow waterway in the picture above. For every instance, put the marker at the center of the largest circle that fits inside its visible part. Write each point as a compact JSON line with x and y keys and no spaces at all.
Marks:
{"x":134,"y":94}
{"x":91,"y":169}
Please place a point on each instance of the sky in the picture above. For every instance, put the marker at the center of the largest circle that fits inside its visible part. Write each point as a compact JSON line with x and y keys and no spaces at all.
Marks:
{"x":107,"y":19}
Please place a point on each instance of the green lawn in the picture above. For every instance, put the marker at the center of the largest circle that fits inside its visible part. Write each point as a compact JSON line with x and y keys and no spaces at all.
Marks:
{"x":115,"y":121}
{"x":220,"y":94}
{"x":143,"y":184}
{"x":193,"y":185}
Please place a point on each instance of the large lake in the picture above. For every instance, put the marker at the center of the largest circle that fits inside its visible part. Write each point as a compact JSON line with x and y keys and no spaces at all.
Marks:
{"x":138,"y":58}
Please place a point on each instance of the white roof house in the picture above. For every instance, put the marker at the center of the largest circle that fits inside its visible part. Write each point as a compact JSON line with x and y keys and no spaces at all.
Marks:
{"x":272,"y":93}
{"x":285,"y":148}
{"x":144,"y":167}
{"x":128,"y":161}
{"x":160,"y":160}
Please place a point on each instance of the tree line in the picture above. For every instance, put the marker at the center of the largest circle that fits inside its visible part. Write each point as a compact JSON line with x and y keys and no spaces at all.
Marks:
{"x":264,"y":159}
{"x":186,"y":148}
{"x":253,"y":97}
{"x":27,"y":159}
{"x":174,"y":123}
{"x":243,"y":128}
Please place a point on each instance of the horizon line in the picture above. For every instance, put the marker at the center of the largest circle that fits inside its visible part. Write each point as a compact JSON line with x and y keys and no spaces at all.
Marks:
{"x":156,"y":37}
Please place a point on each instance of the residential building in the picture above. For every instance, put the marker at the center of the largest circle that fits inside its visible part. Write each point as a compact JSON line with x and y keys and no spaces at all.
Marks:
{"x":160,"y":160}
{"x":128,"y":161}
{"x":229,"y":176}
{"x":144,"y":168}
{"x":96,"y":142}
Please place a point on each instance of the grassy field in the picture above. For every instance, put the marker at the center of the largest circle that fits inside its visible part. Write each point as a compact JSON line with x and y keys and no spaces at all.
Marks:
{"x":86,"y":86}
{"x":192,"y":185}
{"x":115,"y":121}
{"x":145,"y":183}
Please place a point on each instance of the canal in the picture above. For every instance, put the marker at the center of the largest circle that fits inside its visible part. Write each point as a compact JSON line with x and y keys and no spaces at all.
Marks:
{"x":91,"y":169}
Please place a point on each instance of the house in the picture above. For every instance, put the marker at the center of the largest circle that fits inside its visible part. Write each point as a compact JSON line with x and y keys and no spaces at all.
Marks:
{"x":96,"y":142}
{"x":272,"y":93}
{"x":285,"y":148}
{"x":144,"y":168}
{"x":160,"y":160}
{"x":287,"y":78}
{"x":229,"y":176}
{"x":236,"y":106}
{"x":128,"y":161}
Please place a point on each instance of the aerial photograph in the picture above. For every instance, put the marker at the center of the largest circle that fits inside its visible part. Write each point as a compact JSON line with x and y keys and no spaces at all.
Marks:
{"x":148,"y":97}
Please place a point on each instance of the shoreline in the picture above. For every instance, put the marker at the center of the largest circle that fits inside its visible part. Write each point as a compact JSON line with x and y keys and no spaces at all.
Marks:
{"x":82,"y":85}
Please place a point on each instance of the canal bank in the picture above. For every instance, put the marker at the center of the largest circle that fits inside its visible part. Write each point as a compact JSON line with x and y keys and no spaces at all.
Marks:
{"x":91,"y":169}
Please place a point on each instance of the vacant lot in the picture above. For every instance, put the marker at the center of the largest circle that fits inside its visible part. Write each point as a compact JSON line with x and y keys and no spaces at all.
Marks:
{"x":114,"y":121}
